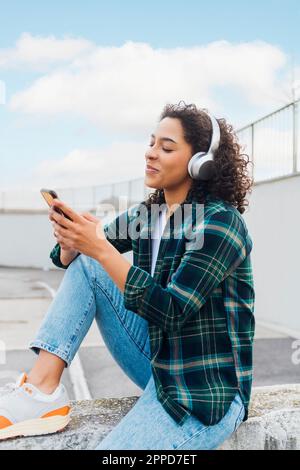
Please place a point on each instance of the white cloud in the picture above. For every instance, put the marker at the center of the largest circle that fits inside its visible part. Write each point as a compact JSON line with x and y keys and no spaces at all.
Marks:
{"x":36,"y":52}
{"x":85,"y":167}
{"x":121,"y":89}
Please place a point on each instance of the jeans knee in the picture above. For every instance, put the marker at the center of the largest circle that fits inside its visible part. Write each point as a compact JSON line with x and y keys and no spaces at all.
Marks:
{"x":86,"y":264}
{"x":84,"y":259}
{"x":92,"y":268}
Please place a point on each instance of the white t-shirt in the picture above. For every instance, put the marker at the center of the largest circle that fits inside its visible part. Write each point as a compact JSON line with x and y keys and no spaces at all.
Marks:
{"x":157,"y":233}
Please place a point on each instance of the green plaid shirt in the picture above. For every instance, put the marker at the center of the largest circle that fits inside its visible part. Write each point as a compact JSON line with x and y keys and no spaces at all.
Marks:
{"x":199,"y":305}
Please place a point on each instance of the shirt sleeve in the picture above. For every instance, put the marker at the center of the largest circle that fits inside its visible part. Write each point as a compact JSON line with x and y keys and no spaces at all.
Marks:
{"x":116,"y":232}
{"x":225,"y":245}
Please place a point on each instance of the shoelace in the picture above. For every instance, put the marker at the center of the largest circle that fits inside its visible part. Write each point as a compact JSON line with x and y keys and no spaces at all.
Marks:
{"x":9,"y":387}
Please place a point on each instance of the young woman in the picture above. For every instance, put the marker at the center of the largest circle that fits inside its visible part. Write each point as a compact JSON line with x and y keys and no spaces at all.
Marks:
{"x":179,"y":321}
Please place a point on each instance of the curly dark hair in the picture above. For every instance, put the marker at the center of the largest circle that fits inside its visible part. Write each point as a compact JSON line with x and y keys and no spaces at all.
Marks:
{"x":231,"y":180}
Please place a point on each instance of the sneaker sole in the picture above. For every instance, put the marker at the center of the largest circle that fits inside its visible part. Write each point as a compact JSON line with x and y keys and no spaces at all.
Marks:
{"x":35,"y":427}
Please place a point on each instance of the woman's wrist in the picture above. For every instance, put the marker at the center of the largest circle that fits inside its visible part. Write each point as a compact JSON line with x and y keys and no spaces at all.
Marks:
{"x":67,"y":255}
{"x":104,"y":251}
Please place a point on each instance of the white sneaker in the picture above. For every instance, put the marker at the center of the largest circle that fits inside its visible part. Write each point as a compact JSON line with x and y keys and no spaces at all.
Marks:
{"x":26,"y":411}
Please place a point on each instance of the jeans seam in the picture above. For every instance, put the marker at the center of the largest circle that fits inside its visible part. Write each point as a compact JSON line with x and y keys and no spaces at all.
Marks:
{"x":192,"y":437}
{"x":121,"y":321}
{"x":91,"y":278}
{"x":237,"y":422}
{"x":71,"y":343}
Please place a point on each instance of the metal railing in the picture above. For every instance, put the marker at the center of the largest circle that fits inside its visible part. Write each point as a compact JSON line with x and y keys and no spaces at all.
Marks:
{"x":87,"y":198}
{"x":272,"y":143}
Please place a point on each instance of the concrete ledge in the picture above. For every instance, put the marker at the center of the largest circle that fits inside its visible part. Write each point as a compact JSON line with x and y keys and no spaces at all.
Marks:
{"x":273,"y":423}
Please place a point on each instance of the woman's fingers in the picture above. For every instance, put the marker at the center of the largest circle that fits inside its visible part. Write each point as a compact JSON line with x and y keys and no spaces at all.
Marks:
{"x":89,"y":217}
{"x":50,"y":214}
{"x":62,"y":235}
{"x":60,"y":231}
{"x":53,"y":215}
{"x":55,"y":233}
{"x":56,"y":227}
{"x":67,"y":210}
{"x":61,"y":220}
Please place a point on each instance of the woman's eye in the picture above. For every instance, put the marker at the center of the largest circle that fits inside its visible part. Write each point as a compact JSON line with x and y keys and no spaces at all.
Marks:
{"x":165,"y":150}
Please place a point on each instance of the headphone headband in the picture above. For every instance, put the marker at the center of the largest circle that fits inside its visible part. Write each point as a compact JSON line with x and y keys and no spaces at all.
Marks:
{"x":215,"y":138}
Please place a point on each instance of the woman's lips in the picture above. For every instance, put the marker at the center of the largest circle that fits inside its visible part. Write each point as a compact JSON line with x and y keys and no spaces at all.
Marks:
{"x":151,"y":170}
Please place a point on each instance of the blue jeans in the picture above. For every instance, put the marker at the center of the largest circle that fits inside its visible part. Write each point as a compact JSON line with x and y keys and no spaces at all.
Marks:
{"x":86,"y":293}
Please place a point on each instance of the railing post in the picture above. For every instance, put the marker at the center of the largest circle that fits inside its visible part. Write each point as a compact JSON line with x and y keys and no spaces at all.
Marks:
{"x":252,"y":148}
{"x":94,"y":198}
{"x":295,"y":136}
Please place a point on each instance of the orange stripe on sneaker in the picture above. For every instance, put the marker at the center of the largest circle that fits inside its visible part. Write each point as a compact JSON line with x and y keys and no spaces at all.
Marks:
{"x":59,"y":411}
{"x":23,"y":380}
{"x":4,"y":422}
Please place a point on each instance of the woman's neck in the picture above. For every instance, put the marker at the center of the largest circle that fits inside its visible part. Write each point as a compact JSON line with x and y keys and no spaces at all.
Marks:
{"x":175,"y":197}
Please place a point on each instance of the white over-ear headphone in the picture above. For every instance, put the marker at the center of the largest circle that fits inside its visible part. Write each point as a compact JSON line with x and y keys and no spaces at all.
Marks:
{"x":201,"y":165}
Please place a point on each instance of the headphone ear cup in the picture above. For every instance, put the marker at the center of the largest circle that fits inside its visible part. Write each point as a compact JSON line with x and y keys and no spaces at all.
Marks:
{"x":194,"y":163}
{"x":207,"y":168}
{"x":201,"y":166}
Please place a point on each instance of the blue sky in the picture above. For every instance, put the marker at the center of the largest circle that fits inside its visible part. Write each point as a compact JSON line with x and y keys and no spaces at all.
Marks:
{"x":30,"y":137}
{"x":161,"y":23}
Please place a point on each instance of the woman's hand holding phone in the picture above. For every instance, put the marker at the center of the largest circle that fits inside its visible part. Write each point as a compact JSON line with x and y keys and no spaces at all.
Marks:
{"x":77,"y":233}
{"x":66,"y":254}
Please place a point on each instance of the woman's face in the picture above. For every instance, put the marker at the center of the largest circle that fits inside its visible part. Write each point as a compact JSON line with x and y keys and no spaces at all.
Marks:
{"x":169,"y":153}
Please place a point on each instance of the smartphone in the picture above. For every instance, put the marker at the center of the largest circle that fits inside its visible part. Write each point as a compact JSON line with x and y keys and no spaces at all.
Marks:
{"x":49,"y":195}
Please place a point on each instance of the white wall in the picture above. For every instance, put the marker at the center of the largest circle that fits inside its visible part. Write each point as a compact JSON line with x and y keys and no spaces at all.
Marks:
{"x":273,"y":221}
{"x":25,"y":240}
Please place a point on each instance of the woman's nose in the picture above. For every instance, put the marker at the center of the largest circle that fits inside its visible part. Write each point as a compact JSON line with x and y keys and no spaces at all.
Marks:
{"x":151,"y":153}
{"x":150,"y":158}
